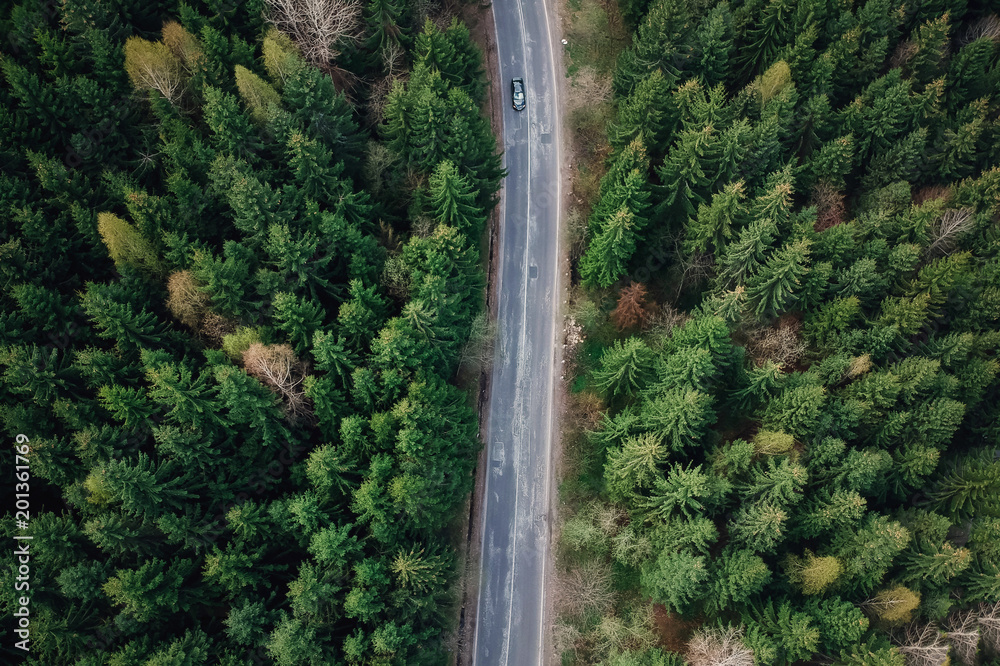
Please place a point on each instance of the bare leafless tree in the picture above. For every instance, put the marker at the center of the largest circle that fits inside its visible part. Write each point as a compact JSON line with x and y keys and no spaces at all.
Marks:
{"x":963,"y":634}
{"x":988,"y":26}
{"x":589,"y":87}
{"x":564,"y":638}
{"x":152,"y":66}
{"x":904,"y":51}
{"x":584,"y":589}
{"x":781,"y":343}
{"x":715,"y":646}
{"x":948,"y":228}
{"x":477,"y":354}
{"x":277,"y":367}
{"x":989,"y":626}
{"x":829,"y":202}
{"x":694,"y":269}
{"x":318,"y":27}
{"x":394,"y":59}
{"x":921,"y":644}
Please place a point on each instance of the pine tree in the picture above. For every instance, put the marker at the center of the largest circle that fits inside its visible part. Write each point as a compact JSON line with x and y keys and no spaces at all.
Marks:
{"x":421,"y":572}
{"x":899,"y":162}
{"x":642,"y":116}
{"x":714,"y":46}
{"x":736,"y":576}
{"x":324,"y":114}
{"x":299,"y":318}
{"x":386,"y":25}
{"x":812,"y":574}
{"x":604,"y":262}
{"x":452,"y":52}
{"x":688,"y":490}
{"x":119,"y":320}
{"x":957,"y":155}
{"x":866,"y":552}
{"x":453,"y":202}
{"x":247,"y":623}
{"x":294,"y":641}
{"x":634,"y":466}
{"x":282,"y":57}
{"x":775,"y":480}
{"x":766,"y":36}
{"x":625,"y":368}
{"x":675,"y":580}
{"x":679,"y":416}
{"x":689,"y":172}
{"x":930,"y":41}
{"x":711,"y":229}
{"x":364,"y":312}
{"x":662,"y":42}
{"x":153,"y":590}
{"x":793,"y":633}
{"x":313,"y":167}
{"x":841,"y":623}
{"x":773,"y":290}
{"x":969,"y":75}
{"x":126,"y":245}
{"x":971,"y":487}
{"x":257,"y":94}
{"x":745,"y":256}
{"x":831,"y":163}
{"x":624,"y":187}
{"x":226,"y":280}
{"x":759,"y":527}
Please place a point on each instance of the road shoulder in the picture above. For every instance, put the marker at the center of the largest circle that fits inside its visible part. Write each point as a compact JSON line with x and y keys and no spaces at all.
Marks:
{"x":479,"y":18}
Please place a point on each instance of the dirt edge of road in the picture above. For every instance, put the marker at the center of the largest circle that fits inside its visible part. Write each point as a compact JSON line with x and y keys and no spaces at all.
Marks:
{"x":559,"y":393}
{"x":479,"y":19}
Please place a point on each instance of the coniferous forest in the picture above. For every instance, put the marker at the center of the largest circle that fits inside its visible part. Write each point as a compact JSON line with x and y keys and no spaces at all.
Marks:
{"x":240,"y":266}
{"x":791,"y":317}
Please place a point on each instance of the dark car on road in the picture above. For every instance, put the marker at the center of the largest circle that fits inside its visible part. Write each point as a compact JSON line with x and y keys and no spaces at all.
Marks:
{"x":517,"y":93}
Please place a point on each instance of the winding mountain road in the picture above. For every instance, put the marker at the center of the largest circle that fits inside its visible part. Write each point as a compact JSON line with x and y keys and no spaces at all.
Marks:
{"x":510,"y":628}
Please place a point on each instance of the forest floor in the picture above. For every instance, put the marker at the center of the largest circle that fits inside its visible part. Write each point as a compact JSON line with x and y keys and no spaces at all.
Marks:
{"x":479,"y":18}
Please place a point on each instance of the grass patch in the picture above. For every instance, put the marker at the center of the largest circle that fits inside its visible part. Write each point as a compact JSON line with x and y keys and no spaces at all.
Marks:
{"x":596,"y":35}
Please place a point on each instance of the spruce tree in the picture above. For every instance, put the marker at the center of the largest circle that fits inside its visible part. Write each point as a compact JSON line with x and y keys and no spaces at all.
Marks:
{"x":773,"y":289}
{"x":625,"y":368}
{"x":605,"y":261}
{"x":453,"y":202}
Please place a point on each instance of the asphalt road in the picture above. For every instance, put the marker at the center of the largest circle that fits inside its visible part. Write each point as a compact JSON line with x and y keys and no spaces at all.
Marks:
{"x":510,"y":626}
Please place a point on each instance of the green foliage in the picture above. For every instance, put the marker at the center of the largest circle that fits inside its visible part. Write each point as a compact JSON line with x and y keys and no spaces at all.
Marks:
{"x":792,"y":632}
{"x":625,"y":368}
{"x":125,"y":244}
{"x":294,"y":497}
{"x":675,"y":579}
{"x":257,"y":93}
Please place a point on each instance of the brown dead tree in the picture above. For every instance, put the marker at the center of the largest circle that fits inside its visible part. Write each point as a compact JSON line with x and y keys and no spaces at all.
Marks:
{"x":632,"y":307}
